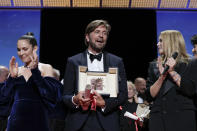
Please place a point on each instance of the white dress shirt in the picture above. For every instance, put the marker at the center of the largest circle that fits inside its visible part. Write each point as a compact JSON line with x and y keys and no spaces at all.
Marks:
{"x":95,"y":65}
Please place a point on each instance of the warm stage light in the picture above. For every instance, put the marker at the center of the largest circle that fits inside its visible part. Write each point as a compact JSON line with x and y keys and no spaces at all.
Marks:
{"x":56,"y":3}
{"x":173,"y":3}
{"x":157,"y":4}
{"x":193,"y":4}
{"x":31,"y":3}
{"x":115,"y":3}
{"x":144,"y":3}
{"x":86,"y":3}
{"x":5,"y":3}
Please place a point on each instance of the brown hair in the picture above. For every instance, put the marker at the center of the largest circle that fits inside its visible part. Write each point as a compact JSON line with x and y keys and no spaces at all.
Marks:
{"x":29,"y":36}
{"x":93,"y":25}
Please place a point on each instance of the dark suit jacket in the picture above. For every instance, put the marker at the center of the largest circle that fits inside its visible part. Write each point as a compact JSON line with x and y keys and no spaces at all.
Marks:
{"x":173,"y":108}
{"x":109,"y":119}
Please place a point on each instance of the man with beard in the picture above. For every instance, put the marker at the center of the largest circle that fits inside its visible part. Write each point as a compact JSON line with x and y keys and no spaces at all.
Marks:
{"x":106,"y":117}
{"x":140,"y":84}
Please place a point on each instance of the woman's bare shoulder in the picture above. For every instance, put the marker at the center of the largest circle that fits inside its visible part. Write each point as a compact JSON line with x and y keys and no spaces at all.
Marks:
{"x":45,"y":69}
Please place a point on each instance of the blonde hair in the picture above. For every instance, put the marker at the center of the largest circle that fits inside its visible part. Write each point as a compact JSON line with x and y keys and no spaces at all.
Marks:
{"x":56,"y":73}
{"x":173,"y":41}
{"x":130,"y":83}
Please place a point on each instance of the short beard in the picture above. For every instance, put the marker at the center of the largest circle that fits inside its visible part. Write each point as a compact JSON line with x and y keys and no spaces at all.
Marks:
{"x":93,"y":46}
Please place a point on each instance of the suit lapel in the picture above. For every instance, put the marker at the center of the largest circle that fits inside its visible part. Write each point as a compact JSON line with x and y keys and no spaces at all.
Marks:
{"x":84,"y":58}
{"x":169,"y":83}
{"x":156,"y":70}
{"x":106,"y":61}
{"x":167,"y":86}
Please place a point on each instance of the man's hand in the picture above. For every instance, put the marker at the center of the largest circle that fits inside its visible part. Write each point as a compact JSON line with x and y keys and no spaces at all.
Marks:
{"x":81,"y":101}
{"x":100,"y":102}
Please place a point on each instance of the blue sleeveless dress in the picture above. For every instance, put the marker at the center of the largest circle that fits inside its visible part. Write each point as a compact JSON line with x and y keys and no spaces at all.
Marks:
{"x":32,"y":101}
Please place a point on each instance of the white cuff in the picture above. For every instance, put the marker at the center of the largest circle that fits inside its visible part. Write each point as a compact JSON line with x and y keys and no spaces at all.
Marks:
{"x":103,"y":109}
{"x":77,"y":106}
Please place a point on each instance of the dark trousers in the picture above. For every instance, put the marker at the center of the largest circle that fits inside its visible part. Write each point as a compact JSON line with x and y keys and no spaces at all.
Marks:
{"x":3,"y":124}
{"x":56,"y":125}
{"x":92,"y":123}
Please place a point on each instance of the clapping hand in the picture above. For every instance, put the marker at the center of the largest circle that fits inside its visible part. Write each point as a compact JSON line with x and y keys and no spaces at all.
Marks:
{"x":34,"y":60}
{"x":13,"y":67}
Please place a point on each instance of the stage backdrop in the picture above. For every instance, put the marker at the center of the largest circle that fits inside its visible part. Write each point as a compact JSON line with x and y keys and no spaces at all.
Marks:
{"x":184,"y":21}
{"x":132,"y":36}
{"x":13,"y":24}
{"x":70,"y":32}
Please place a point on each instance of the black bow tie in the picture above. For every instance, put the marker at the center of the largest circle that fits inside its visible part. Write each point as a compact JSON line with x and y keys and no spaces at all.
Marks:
{"x":98,"y":57}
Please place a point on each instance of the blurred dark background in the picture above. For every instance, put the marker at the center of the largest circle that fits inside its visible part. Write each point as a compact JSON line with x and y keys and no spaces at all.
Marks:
{"x":133,"y":36}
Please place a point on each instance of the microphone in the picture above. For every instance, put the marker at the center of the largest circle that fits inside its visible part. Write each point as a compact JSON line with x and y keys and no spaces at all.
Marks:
{"x":174,"y":56}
